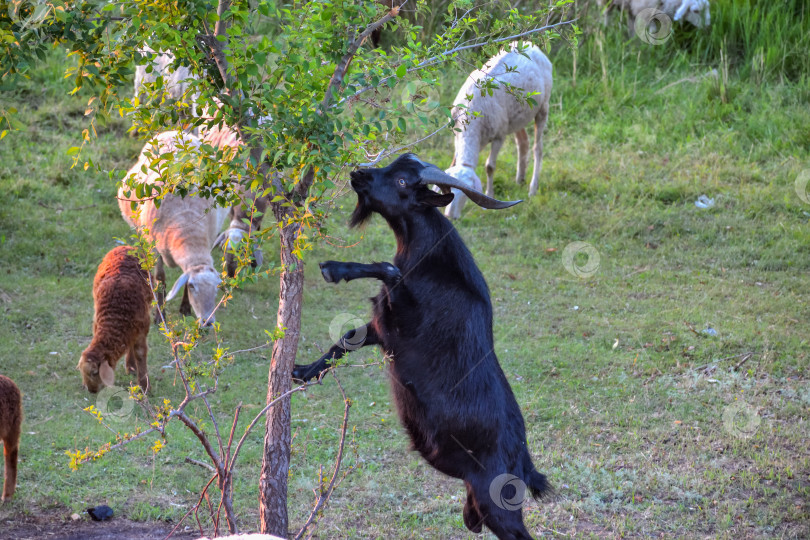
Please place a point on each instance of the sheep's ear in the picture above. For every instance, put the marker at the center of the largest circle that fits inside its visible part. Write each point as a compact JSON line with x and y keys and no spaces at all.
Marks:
{"x":432,"y":198}
{"x":179,"y":284}
{"x":220,"y":240}
{"x":107,"y":374}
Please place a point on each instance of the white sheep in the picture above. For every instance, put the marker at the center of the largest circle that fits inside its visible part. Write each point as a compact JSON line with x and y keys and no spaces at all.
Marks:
{"x":695,"y":12}
{"x":183,"y":228}
{"x":480,"y":118}
{"x":175,"y":80}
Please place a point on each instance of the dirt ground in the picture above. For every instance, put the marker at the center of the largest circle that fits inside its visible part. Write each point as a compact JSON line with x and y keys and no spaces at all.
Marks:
{"x":56,"y":528}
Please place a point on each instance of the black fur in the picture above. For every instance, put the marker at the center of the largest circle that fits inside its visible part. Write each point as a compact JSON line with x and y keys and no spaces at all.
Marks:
{"x":433,"y":319}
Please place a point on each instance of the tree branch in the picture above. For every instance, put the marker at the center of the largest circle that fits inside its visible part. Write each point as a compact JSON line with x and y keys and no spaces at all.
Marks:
{"x":343,"y":65}
{"x":433,"y":60}
{"x":336,"y":81}
{"x":261,"y":413}
{"x":324,"y":495}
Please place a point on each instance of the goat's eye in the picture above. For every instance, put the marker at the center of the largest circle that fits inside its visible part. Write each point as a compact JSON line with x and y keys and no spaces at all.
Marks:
{"x":401,"y":182}
{"x":191,"y":286}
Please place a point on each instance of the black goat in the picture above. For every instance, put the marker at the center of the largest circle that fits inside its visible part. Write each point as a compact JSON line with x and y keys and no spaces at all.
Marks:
{"x":433,"y":319}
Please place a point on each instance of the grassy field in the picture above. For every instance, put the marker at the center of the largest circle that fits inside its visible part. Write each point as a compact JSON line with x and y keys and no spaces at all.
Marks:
{"x":646,"y":423}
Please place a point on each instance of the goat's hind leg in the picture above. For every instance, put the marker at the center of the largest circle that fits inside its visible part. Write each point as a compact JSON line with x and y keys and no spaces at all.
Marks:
{"x":503,"y":516}
{"x":334,"y":271}
{"x":351,"y":340}
{"x":473,"y":519}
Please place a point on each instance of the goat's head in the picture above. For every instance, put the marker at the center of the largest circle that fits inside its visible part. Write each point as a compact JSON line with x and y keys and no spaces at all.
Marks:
{"x":201,"y":282}
{"x":96,"y":371}
{"x":402,"y":188}
{"x":695,"y":12}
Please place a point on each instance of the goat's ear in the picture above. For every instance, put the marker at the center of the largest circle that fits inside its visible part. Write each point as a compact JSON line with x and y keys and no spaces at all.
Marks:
{"x":431,"y":198}
{"x":106,"y":373}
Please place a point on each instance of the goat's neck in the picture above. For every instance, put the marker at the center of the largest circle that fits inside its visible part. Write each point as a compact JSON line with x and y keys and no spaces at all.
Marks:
{"x":468,"y":147}
{"x":418,"y":234}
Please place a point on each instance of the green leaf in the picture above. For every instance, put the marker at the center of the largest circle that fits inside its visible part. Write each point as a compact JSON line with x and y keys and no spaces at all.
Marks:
{"x":73,"y":150}
{"x":402,"y":71}
{"x":401,"y":123}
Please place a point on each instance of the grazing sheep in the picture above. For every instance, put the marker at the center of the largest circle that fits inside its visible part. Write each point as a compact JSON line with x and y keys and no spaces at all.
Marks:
{"x":10,"y":424}
{"x":695,"y":12}
{"x":183,"y":228}
{"x":122,"y":297}
{"x":433,"y":320}
{"x":484,"y":119}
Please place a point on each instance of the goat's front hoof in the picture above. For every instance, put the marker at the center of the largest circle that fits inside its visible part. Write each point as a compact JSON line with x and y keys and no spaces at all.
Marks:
{"x":303,"y":374}
{"x":393,"y":272}
{"x":331,"y":271}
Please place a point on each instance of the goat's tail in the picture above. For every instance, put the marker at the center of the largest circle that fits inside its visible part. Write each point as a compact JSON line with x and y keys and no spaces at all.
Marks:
{"x":538,"y":484}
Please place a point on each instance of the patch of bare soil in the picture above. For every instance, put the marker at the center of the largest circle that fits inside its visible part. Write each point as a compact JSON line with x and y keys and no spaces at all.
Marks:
{"x":56,"y":528}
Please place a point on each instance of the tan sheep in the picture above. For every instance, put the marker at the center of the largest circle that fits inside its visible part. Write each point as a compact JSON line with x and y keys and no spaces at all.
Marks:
{"x":10,"y":423}
{"x":183,"y":229}
{"x":122,"y":298}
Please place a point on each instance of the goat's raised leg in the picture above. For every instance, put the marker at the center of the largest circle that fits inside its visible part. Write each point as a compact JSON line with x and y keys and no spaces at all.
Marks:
{"x":522,"y":142}
{"x":539,"y":125}
{"x":334,"y":271}
{"x":351,"y":340}
{"x":493,"y":157}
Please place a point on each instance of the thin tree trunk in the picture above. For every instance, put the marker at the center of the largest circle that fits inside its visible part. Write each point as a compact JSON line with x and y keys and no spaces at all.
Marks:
{"x":276,"y":459}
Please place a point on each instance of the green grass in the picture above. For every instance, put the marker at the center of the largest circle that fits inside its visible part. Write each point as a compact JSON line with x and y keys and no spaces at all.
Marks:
{"x":623,"y":401}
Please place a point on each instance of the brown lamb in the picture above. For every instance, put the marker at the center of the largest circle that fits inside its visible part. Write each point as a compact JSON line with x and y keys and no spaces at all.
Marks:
{"x":10,"y":422}
{"x":122,"y":296}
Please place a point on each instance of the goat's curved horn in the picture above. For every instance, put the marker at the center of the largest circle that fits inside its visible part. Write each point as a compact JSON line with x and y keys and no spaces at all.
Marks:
{"x":433,"y":175}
